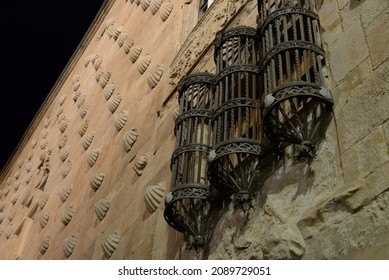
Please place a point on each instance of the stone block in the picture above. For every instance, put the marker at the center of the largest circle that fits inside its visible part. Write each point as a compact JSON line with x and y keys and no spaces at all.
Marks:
{"x":385,"y":127}
{"x":377,"y":35}
{"x":329,"y":15}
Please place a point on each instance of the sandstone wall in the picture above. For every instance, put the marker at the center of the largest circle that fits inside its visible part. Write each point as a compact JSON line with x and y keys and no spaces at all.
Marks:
{"x":334,"y":208}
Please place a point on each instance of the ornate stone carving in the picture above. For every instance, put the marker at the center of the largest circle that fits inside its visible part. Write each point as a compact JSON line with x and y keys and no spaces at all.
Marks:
{"x":155,"y":76}
{"x":143,"y":63}
{"x":122,"y":38}
{"x":76,"y":95}
{"x":20,"y":163}
{"x":30,"y":155}
{"x":76,"y":78}
{"x":68,"y":214}
{"x":76,"y":86}
{"x":17,"y":185}
{"x":45,"y":133}
{"x":47,"y":121}
{"x":43,"y":155}
{"x":81,"y":101}
{"x":129,"y":138}
{"x":87,"y":60}
{"x":153,"y":197}
{"x":9,"y":231}
{"x":15,"y":198}
{"x":45,"y":244}
{"x":64,"y":154}
{"x":166,"y":10}
{"x":62,"y":141}
{"x":84,"y":110}
{"x":83,"y":127}
{"x":87,"y":141}
{"x":2,"y":216}
{"x":104,"y":79}
{"x":34,"y":142}
{"x":43,"y":200}
{"x":99,"y":73}
{"x":145,"y":4}
{"x":97,"y":62}
{"x":28,"y":178}
{"x":60,"y":111}
{"x":114,"y":102}
{"x":28,"y":166}
{"x":155,"y":5}
{"x":121,"y":119}
{"x":93,"y":156}
{"x":65,"y":192}
{"x":44,"y":143}
{"x":140,"y":164}
{"x":64,"y":124}
{"x":110,"y":243}
{"x":69,"y":244}
{"x":44,"y":219}
{"x":66,"y":170}
{"x":108,"y":91}
{"x":96,"y":180}
{"x":134,"y":53}
{"x":11,"y":214}
{"x":128,"y":45}
{"x":101,"y":208}
{"x":62,"y":100}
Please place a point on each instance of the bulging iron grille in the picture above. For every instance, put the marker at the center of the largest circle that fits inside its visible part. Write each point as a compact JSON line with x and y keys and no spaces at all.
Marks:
{"x":296,"y":101}
{"x":188,"y":203}
{"x":236,"y":123}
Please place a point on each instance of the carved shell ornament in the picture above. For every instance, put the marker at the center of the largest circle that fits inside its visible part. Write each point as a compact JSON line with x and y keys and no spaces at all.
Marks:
{"x":108,"y":91}
{"x":28,"y":166}
{"x":87,"y":60}
{"x":87,"y":141}
{"x":76,"y":78}
{"x":17,"y":185}
{"x":128,"y":45}
{"x":145,"y":4}
{"x":122,"y":38}
{"x":120,"y":120}
{"x":2,"y":217}
{"x":76,"y":86}
{"x":135,"y":53}
{"x":143,"y":63}
{"x":66,"y":169}
{"x":45,"y":244}
{"x":140,"y":164}
{"x":69,"y":244}
{"x":15,"y":198}
{"x":117,"y":30}
{"x":97,"y":63}
{"x":93,"y":156}
{"x":114,"y":102}
{"x":110,"y":243}
{"x":153,"y":197}
{"x":99,"y":73}
{"x":104,"y":79}
{"x":155,"y":5}
{"x":44,"y":143}
{"x":68,"y":214}
{"x":81,"y":101}
{"x":155,"y":76}
{"x":84,"y":110}
{"x":28,"y":178}
{"x":76,"y":95}
{"x":34,"y":142}
{"x":60,"y":111}
{"x":30,"y":155}
{"x":12,"y":214}
{"x":101,"y":208}
{"x":9,"y":231}
{"x":64,"y":154}
{"x":62,"y":100}
{"x":43,"y":200}
{"x":64,"y":124}
{"x":44,"y":219}
{"x":165,"y":10}
{"x":96,"y":180}
{"x":129,"y":138}
{"x":65,"y":192}
{"x":62,"y":141}
{"x":46,"y":122}
{"x":83,"y":127}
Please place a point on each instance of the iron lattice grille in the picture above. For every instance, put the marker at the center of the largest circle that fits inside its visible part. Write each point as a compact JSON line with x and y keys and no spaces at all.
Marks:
{"x":296,"y":102}
{"x":188,"y":205}
{"x":236,"y":124}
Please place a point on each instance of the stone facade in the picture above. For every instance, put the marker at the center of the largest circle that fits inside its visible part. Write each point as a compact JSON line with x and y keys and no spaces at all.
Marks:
{"x":88,"y":181}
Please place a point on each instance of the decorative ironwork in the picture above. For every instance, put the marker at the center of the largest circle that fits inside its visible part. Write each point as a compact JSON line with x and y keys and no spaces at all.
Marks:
{"x":236,"y":124}
{"x":297,"y":105}
{"x":188,"y":204}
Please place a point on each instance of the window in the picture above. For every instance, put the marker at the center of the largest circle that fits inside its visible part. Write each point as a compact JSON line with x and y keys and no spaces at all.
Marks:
{"x":204,"y":5}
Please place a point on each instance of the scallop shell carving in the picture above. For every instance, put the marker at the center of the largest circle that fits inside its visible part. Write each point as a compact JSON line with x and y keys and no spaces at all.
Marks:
{"x":137,"y":2}
{"x":155,"y":5}
{"x":143,"y":63}
{"x":93,"y":156}
{"x":66,"y":170}
{"x":44,"y":143}
{"x":121,"y":119}
{"x":135,"y":53}
{"x":87,"y":60}
{"x":165,"y":10}
{"x":45,"y":244}
{"x":65,"y":192}
{"x":109,"y":22}
{"x":69,"y":244}
{"x":62,"y":100}
{"x":83,"y":127}
{"x":108,"y":91}
{"x":28,"y":166}
{"x":116,"y":31}
{"x":114,"y":102}
{"x":17,"y":174}
{"x":60,"y":111}
{"x":153,"y":197}
{"x":43,"y":155}
{"x":68,"y":214}
{"x":97,"y":63}
{"x":46,"y":122}
{"x":129,"y":138}
{"x":104,"y":79}
{"x":15,"y":198}
{"x":101,"y":208}
{"x":19,"y":163}
{"x":145,"y":4}
{"x":45,"y":133}
{"x":81,"y":101}
{"x":43,"y":200}
{"x":110,"y":243}
{"x":34,"y":142}
{"x":76,"y":86}
{"x":84,"y":110}
{"x":98,"y":74}
{"x":64,"y":124}
{"x":155,"y":76}
{"x":96,"y":180}
{"x":17,"y":185}
{"x":12,"y":214}
{"x":140,"y":164}
{"x":28,"y":178}
{"x":88,"y":140}
{"x":2,"y":206}
{"x":9,"y":232}
{"x":30,"y":155}
{"x":76,"y":96}
{"x":62,"y":141}
{"x":64,"y":154}
{"x":122,"y":38}
{"x":128,"y":45}
{"x":2,"y":216}
{"x":76,"y":78}
{"x":44,"y":219}
{"x":94,"y":57}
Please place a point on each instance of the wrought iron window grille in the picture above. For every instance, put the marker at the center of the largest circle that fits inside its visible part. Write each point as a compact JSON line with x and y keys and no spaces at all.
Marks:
{"x":188,"y":204}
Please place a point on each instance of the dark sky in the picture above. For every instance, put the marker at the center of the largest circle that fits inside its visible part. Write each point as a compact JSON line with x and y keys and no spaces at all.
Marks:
{"x":37,"y":39}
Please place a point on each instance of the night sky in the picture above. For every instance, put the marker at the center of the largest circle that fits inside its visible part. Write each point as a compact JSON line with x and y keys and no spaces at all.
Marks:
{"x":38,"y":38}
